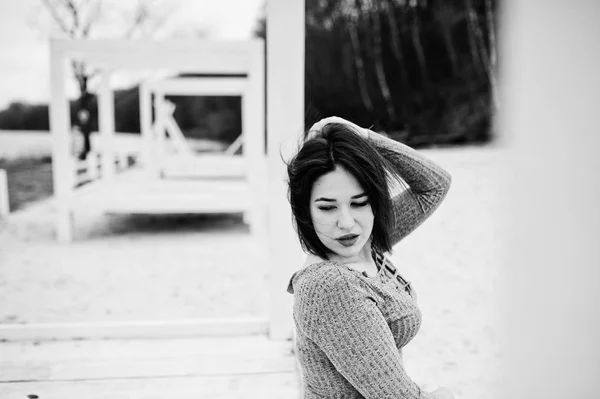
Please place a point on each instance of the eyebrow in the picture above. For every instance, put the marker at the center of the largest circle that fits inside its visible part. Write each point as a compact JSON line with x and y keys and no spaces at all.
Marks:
{"x":357,"y":196}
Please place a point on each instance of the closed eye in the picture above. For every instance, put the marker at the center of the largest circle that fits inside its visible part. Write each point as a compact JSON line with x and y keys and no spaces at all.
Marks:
{"x":360,"y":204}
{"x":326,"y":208}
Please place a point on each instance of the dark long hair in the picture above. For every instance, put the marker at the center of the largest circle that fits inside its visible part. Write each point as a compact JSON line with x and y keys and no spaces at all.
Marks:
{"x":339,"y":145}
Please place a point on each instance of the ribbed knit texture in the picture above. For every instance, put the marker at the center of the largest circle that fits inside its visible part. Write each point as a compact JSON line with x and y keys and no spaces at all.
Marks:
{"x":350,"y":328}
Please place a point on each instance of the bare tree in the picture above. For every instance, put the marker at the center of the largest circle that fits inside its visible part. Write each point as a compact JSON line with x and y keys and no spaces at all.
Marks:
{"x":76,"y":19}
{"x":483,"y":56}
{"x":354,"y":18}
{"x":447,"y":17}
{"x":471,"y":31}
{"x":415,"y":28}
{"x":491,"y":28}
{"x":378,"y":59}
{"x":396,"y":41}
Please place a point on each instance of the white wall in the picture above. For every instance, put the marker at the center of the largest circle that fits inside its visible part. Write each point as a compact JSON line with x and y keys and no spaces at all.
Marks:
{"x":551,"y":91}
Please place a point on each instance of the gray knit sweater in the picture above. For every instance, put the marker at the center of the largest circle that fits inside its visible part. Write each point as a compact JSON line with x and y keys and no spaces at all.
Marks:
{"x":351,"y":328}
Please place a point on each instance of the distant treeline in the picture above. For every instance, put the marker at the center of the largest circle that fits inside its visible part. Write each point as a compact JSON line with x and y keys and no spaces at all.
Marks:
{"x":420,"y":70}
{"x":216,"y":118}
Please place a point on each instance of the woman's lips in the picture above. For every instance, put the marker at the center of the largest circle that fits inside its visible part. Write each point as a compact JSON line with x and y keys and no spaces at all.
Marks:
{"x":348,"y":240}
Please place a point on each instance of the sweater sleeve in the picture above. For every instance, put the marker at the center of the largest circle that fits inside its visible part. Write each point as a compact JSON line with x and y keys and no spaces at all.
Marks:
{"x":427,"y":183}
{"x":349,"y":328}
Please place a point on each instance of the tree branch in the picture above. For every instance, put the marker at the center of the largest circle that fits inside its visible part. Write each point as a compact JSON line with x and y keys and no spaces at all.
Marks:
{"x":93,"y":17}
{"x":54,"y":14}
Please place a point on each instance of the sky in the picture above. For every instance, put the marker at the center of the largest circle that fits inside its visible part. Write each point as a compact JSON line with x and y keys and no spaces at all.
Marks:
{"x":25,"y":29}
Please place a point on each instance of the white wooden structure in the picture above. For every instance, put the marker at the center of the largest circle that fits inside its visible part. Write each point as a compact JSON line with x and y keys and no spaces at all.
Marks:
{"x":181,"y":161}
{"x":142,"y":192}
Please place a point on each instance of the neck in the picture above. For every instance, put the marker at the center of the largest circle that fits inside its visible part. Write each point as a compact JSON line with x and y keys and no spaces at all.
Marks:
{"x":363,"y":256}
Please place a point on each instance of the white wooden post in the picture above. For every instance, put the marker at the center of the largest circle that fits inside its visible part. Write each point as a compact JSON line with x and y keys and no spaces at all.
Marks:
{"x":107,"y":126}
{"x":285,"y":117}
{"x":159,"y":132}
{"x":92,"y":166}
{"x":253,"y":131}
{"x":146,"y":128}
{"x":4,"y":205}
{"x":62,"y":168}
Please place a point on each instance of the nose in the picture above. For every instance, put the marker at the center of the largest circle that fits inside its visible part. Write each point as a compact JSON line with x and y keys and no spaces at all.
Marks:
{"x":346,"y":219}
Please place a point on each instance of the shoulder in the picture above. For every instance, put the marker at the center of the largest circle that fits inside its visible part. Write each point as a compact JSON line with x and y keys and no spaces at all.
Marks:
{"x":321,"y":276}
{"x":326,"y":285}
{"x":327,"y":294}
{"x":320,"y":291}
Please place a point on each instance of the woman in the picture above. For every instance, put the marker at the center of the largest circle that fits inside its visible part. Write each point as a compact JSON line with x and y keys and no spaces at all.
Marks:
{"x":352,"y":310}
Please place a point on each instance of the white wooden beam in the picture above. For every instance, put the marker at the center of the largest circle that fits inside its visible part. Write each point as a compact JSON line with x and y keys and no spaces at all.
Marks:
{"x":176,"y":136}
{"x":219,"y":56}
{"x":146,"y":130}
{"x":200,"y":86}
{"x":285,"y":121}
{"x":93,"y":370}
{"x":133,"y":329}
{"x":253,"y":143}
{"x":152,"y":49}
{"x":106,"y":113}
{"x":159,"y":130}
{"x":60,"y":127}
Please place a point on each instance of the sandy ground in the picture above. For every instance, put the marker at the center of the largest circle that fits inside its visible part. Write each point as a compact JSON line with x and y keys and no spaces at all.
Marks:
{"x":134,"y":267}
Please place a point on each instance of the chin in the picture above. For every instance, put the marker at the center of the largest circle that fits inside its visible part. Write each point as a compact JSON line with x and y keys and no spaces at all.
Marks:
{"x":347,"y":252}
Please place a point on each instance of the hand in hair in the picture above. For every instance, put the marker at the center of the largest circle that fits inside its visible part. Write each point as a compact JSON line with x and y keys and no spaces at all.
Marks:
{"x":316,"y":128}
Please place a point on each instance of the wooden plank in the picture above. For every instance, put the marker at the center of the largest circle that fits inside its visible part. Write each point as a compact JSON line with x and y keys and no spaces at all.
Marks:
{"x":132,"y":181}
{"x":132,"y":193}
{"x":263,"y":386}
{"x":100,"y":369}
{"x":218,"y":366}
{"x":200,"y":56}
{"x":175,"y":134}
{"x":135,"y":329}
{"x":235,"y":146}
{"x":205,"y":165}
{"x":25,"y":351}
{"x":149,"y":48}
{"x":199,"y":86}
{"x":169,"y":205}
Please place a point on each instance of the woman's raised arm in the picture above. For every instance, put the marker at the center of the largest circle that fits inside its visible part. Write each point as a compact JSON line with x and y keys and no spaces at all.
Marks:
{"x":428,"y":184}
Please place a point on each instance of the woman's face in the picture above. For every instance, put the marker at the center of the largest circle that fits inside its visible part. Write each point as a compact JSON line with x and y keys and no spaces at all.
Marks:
{"x":341,"y":214}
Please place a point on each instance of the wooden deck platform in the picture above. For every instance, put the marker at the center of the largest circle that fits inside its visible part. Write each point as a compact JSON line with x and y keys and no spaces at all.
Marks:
{"x":240,"y":367}
{"x":134,"y":192}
